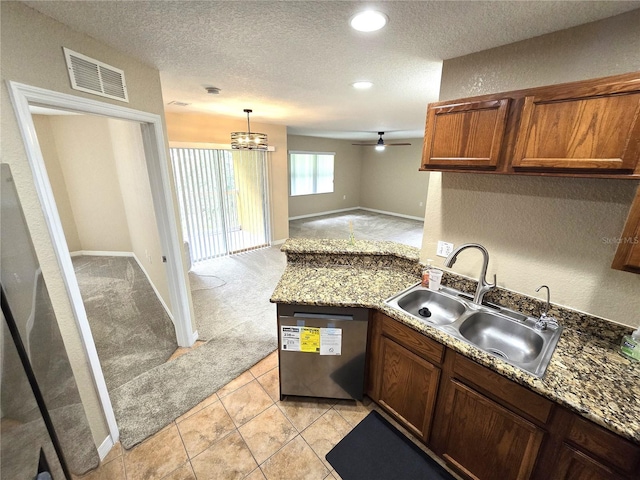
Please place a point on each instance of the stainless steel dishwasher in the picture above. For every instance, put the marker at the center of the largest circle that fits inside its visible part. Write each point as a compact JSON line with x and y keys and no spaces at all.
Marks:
{"x":322,"y":351}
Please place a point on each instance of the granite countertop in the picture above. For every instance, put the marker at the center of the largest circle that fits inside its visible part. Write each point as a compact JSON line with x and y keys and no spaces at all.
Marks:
{"x":585,"y":374}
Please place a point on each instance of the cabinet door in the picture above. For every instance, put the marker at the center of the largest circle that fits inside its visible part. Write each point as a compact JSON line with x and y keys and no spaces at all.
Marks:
{"x":575,"y":465}
{"x":486,"y":441}
{"x":588,"y":129}
{"x":465,"y":135}
{"x":628,"y":253}
{"x":408,"y":387}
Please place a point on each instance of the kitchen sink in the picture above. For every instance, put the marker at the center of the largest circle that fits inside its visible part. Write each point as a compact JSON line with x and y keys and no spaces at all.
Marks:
{"x":498,"y":331}
{"x":502,"y":336}
{"x":432,"y":307}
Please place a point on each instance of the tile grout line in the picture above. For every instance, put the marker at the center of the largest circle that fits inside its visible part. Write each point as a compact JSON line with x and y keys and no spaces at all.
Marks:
{"x":124,"y":463}
{"x":184,"y":445}
{"x":237,"y":429}
{"x":312,"y":449}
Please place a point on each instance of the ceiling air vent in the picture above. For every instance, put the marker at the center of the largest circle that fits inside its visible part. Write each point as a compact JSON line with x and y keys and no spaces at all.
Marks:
{"x":92,"y":76}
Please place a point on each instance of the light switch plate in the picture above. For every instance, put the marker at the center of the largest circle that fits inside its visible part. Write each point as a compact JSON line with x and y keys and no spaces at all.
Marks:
{"x":444,"y":248}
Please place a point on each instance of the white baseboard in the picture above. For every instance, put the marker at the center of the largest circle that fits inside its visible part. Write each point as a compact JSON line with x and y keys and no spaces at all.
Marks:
{"x":319,"y":214}
{"x":384,"y":212}
{"x":278,"y":242}
{"x":100,"y":253}
{"x":411,"y":217}
{"x":194,"y":337}
{"x":164,"y":305}
{"x":105,"y":447}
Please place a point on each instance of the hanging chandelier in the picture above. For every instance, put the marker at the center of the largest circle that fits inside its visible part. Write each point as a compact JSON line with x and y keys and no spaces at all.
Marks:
{"x":248,"y":140}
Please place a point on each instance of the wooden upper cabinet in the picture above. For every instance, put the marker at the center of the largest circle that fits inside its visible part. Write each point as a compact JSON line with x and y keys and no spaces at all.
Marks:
{"x":591,"y":128}
{"x":628,"y":253}
{"x":465,"y":135}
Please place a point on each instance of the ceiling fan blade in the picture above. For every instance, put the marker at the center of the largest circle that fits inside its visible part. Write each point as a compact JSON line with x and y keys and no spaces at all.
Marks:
{"x":395,"y":144}
{"x":365,"y":144}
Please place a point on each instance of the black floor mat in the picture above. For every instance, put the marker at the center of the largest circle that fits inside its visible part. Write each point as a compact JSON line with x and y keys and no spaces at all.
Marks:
{"x":376,"y":450}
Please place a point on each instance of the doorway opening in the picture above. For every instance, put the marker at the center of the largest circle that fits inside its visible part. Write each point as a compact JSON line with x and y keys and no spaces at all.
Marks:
{"x":23,"y":97}
{"x":96,"y":167}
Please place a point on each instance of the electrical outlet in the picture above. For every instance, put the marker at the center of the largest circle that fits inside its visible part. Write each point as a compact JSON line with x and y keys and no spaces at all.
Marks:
{"x":444,"y":249}
{"x":344,"y":197}
{"x":420,"y":204}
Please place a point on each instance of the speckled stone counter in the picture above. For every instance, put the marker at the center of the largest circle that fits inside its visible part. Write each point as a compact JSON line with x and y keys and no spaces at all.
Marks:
{"x":586,"y":373}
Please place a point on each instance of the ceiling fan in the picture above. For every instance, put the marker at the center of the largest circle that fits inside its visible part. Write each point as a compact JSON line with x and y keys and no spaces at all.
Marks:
{"x":380,"y":144}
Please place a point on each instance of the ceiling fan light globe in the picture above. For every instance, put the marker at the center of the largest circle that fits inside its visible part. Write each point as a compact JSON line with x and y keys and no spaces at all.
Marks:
{"x":380,"y":147}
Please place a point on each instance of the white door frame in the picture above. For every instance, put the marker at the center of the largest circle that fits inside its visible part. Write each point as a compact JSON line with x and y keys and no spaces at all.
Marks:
{"x":156,"y":158}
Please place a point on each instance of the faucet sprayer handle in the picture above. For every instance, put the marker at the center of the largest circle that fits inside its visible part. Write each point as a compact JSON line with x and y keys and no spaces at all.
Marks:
{"x":495,"y":281}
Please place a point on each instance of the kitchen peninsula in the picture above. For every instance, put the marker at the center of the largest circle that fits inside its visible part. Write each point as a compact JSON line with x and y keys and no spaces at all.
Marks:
{"x":586,"y":378}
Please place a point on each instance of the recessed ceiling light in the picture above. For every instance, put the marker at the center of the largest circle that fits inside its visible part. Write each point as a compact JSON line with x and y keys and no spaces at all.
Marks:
{"x":368,"y":21}
{"x":362,"y":85}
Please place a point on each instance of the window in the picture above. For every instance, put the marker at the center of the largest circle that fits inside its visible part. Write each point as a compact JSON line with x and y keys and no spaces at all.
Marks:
{"x":310,"y":172}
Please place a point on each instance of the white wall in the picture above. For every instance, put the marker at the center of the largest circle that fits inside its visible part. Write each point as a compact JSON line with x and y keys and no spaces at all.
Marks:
{"x":347,"y":172}
{"x":102,"y":188}
{"x":135,"y":191}
{"x":86,"y":158}
{"x":31,"y":53}
{"x":56,"y":177}
{"x":556,"y":231}
{"x":390,"y":180}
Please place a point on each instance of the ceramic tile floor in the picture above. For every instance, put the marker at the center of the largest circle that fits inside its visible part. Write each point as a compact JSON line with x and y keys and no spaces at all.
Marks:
{"x":242,"y":431}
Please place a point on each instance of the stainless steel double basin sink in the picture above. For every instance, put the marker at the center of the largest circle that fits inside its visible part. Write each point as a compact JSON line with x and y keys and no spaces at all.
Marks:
{"x":503,"y":333}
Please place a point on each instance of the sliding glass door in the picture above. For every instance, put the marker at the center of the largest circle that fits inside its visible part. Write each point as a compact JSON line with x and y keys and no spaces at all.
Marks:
{"x":223,"y":200}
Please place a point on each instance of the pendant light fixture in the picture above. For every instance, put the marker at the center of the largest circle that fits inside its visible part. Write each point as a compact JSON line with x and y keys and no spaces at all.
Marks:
{"x":248,"y":140}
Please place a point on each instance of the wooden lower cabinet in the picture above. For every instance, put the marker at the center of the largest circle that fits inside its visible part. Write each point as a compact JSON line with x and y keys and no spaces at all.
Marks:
{"x":581,"y":450}
{"x":576,"y":465}
{"x":402,"y":376}
{"x":408,"y":387}
{"x":482,"y":424}
{"x":484,"y":440}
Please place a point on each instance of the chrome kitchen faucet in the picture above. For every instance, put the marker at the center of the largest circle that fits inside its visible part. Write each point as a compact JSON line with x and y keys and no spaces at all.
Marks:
{"x":483,"y":285}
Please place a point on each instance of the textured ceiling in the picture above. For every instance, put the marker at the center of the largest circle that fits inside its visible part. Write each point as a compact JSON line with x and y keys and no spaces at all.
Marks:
{"x":293,"y":62}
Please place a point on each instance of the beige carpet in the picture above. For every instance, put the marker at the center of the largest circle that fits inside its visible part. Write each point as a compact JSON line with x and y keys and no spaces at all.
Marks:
{"x":130,"y":327}
{"x":154,"y":399}
{"x":234,"y":291}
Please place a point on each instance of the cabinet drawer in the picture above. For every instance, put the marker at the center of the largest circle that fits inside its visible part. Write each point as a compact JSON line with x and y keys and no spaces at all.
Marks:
{"x":516,"y":396}
{"x":609,"y":447}
{"x":412,"y":340}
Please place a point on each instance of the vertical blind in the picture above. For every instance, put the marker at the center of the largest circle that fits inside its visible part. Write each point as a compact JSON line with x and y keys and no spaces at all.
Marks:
{"x":223,"y":200}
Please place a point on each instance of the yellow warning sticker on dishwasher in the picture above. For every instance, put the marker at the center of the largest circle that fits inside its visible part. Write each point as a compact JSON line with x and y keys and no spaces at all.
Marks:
{"x":310,"y":339}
